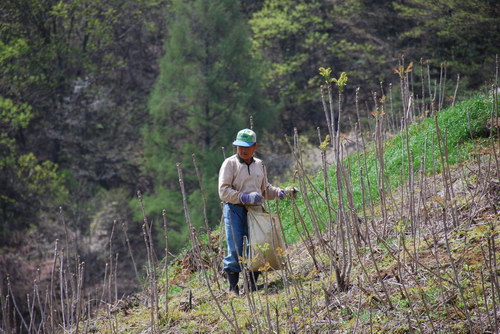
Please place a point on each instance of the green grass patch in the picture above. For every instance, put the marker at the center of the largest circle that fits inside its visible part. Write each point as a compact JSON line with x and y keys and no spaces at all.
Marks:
{"x":460,"y":126}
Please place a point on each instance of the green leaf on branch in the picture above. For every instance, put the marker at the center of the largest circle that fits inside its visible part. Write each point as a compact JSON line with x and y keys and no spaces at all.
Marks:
{"x":325,"y":73}
{"x":341,"y":82}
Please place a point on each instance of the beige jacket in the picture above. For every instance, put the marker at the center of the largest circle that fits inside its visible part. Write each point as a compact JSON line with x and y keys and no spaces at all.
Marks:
{"x":236,"y":177}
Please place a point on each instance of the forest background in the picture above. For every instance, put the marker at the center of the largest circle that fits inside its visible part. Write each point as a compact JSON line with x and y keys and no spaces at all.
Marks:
{"x":100,"y":100}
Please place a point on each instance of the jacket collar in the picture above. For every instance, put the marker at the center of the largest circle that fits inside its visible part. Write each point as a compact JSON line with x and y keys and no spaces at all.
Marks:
{"x":243,"y":161}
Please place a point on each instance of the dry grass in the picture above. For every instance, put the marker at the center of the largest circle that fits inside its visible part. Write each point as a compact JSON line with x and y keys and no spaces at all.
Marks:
{"x":417,"y":273}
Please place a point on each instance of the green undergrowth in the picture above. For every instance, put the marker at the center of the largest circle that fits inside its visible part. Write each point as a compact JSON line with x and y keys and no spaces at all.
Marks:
{"x":460,"y":127}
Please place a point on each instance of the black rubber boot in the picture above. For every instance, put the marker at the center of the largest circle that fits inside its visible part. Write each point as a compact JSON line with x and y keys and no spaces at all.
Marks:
{"x":233,"y":279}
{"x":253,"y":276}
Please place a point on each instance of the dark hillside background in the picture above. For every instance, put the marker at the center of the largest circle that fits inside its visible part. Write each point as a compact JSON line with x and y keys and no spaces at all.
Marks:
{"x":100,"y":99}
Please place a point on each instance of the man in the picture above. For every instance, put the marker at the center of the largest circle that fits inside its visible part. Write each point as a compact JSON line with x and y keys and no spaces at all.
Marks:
{"x":242,"y":182}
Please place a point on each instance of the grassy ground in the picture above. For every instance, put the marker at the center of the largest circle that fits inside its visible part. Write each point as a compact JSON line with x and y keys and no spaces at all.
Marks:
{"x":461,"y":126}
{"x":423,"y":259}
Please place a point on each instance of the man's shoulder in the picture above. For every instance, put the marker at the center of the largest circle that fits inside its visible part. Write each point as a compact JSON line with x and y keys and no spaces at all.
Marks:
{"x":258,"y":161}
{"x":230,"y":160}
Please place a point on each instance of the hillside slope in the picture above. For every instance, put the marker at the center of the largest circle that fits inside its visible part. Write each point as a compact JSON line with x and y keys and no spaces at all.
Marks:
{"x":422,"y":257}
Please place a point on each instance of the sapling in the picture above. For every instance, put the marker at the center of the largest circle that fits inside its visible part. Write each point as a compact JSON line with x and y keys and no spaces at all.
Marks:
{"x":11,"y":295}
{"x":129,"y":247}
{"x":52,"y":288}
{"x":111,"y":263}
{"x":485,"y":301}
{"x":165,"y":231}
{"x":151,"y":270}
{"x":422,"y":83}
{"x":205,"y":216}
{"x":195,"y":245}
{"x":368,"y":238}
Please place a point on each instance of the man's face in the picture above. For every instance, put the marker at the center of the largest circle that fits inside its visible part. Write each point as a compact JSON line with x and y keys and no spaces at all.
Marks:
{"x":246,"y":153}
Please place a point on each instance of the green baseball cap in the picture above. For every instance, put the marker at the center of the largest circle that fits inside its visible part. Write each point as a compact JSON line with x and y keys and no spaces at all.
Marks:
{"x":245,"y":137}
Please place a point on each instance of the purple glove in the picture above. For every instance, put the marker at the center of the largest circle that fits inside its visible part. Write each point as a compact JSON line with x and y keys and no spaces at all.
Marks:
{"x":281,"y":194}
{"x":253,"y":198}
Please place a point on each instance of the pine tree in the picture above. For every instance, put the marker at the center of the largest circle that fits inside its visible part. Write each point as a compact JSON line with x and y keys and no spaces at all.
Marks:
{"x":209,"y":85}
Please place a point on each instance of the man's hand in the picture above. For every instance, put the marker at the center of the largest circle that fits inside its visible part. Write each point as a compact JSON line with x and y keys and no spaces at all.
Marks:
{"x":253,"y":198}
{"x":281,"y":194}
{"x":290,"y":192}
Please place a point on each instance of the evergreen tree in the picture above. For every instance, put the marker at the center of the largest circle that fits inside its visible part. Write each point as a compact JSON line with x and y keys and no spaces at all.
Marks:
{"x":298,"y":37}
{"x":209,"y":85}
{"x":465,"y":33}
{"x":73,"y":76}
